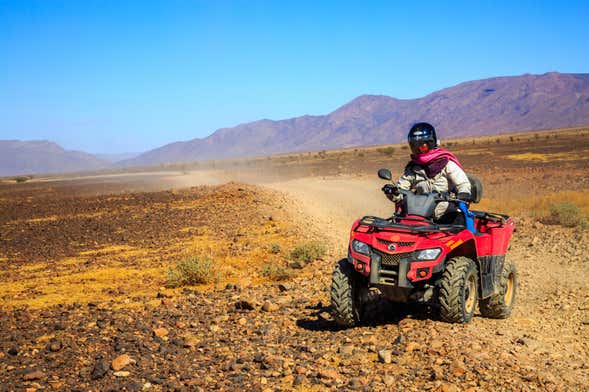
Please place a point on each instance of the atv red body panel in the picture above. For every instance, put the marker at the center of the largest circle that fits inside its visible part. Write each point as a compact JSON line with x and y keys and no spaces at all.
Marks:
{"x":392,"y":260}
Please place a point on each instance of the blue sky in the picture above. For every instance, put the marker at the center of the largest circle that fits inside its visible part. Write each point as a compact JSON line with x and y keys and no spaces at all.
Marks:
{"x":119,"y":76}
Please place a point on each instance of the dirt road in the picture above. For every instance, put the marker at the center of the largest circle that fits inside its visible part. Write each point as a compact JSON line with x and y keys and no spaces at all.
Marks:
{"x":547,"y":333}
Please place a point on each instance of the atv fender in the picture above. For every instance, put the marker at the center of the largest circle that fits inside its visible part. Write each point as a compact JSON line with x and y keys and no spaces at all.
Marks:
{"x":489,"y":267}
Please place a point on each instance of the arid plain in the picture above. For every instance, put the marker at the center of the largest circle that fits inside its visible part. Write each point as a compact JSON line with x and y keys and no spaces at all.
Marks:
{"x":87,"y":301}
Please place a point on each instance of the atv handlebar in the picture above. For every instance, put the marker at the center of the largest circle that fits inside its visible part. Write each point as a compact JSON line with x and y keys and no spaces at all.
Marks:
{"x":393,"y":190}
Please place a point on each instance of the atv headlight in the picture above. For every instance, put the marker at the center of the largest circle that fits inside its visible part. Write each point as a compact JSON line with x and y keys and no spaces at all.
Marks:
{"x":427,"y":254}
{"x":361,"y":247}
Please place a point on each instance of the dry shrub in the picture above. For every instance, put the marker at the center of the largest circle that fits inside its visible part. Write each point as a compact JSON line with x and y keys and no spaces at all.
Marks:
{"x":308,"y":252}
{"x":21,"y":179}
{"x":191,"y":271}
{"x":275,"y":248}
{"x":277,"y":272}
{"x":567,"y":214}
{"x":386,"y":150}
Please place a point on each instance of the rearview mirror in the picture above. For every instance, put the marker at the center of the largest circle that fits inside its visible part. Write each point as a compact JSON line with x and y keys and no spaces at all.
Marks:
{"x":385,"y":174}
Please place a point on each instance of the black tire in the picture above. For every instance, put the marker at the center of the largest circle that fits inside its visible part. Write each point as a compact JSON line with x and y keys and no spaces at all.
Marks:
{"x":459,"y":290}
{"x":499,"y":306}
{"x":345,"y":299}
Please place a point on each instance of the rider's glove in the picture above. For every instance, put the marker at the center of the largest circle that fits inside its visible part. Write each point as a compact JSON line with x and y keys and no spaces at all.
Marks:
{"x":390,"y":189}
{"x":392,"y":192}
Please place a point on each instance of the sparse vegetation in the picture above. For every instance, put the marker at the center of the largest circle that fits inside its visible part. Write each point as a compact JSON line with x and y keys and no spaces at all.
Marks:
{"x":274,"y":248}
{"x":191,"y":271}
{"x":308,"y":252}
{"x":387,"y":150}
{"x":277,"y":272}
{"x":567,"y":214}
{"x":21,"y":179}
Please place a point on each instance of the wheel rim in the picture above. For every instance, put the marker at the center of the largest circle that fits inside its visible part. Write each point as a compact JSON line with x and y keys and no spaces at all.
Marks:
{"x":470,"y":292}
{"x":509,"y":290}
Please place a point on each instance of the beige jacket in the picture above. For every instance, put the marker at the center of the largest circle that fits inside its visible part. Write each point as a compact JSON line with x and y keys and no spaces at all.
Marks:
{"x":451,"y":178}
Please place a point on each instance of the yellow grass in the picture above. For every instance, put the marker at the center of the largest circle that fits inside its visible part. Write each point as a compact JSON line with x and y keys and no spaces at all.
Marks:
{"x":561,"y":156}
{"x":135,"y":272}
{"x":534,"y":205}
{"x":82,"y":287}
{"x":51,"y":218}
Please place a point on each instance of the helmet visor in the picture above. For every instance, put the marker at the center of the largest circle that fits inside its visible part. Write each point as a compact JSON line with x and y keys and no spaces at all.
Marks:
{"x":419,"y":147}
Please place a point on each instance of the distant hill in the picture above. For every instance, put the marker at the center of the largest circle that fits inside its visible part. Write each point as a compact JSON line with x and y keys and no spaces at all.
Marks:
{"x":112,"y":158}
{"x":42,"y":156}
{"x":481,"y":107}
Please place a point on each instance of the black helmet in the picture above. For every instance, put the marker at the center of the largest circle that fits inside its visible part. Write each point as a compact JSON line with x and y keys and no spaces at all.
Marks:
{"x":422,"y":138}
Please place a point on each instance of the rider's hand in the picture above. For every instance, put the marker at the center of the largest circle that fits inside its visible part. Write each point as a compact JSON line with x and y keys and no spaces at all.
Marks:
{"x":390,"y":189}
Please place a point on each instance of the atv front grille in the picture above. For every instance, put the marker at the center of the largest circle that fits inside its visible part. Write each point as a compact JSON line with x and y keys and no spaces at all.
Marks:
{"x":388,"y":260}
{"x":398,"y":243}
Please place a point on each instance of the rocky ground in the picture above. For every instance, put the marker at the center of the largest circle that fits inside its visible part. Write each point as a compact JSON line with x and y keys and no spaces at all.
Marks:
{"x":280,"y":336}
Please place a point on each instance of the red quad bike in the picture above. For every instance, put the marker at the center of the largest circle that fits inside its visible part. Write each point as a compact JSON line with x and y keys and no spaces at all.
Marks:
{"x":409,"y":258}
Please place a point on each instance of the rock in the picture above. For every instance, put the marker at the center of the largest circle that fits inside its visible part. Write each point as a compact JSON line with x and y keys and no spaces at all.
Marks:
{"x":300,"y":370}
{"x":299,"y":379}
{"x":167,"y":302}
{"x":449,"y":388}
{"x":585,"y":322}
{"x":436,"y":345}
{"x":388,"y":380}
{"x":242,"y":321}
{"x":160,"y":332}
{"x":34,"y":375}
{"x":13,"y":351}
{"x":284,"y":287}
{"x":54,"y":346}
{"x":191,"y":343}
{"x":244,"y":305}
{"x":270,"y":307}
{"x":146,"y":386}
{"x":457,"y":368}
{"x":328,"y":374}
{"x":297,"y":264}
{"x":122,"y":373}
{"x":399,"y":340}
{"x":385,"y":356}
{"x":120,"y":362}
{"x":411,"y":346}
{"x":356,"y":383}
{"x":134,"y":386}
{"x":156,"y":381}
{"x":100,"y":369}
{"x":347,"y":349}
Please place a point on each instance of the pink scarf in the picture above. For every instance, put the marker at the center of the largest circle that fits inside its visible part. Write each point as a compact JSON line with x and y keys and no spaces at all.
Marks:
{"x":434,"y":161}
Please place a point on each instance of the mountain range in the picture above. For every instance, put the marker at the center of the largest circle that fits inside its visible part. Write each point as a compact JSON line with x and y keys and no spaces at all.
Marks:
{"x":480,"y":107}
{"x":42,"y":156}
{"x":487,"y":106}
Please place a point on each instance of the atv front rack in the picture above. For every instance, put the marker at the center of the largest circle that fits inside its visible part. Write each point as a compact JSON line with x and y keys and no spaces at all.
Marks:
{"x":379,"y":224}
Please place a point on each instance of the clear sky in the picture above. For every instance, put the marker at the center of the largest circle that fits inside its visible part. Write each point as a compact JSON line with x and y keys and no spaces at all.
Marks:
{"x":120,"y":76}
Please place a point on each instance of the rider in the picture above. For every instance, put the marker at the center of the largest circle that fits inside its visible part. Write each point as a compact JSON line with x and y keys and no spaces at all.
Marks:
{"x":431,"y":169}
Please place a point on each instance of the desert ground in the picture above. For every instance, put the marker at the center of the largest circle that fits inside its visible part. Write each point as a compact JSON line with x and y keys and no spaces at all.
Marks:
{"x":86,"y":301}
